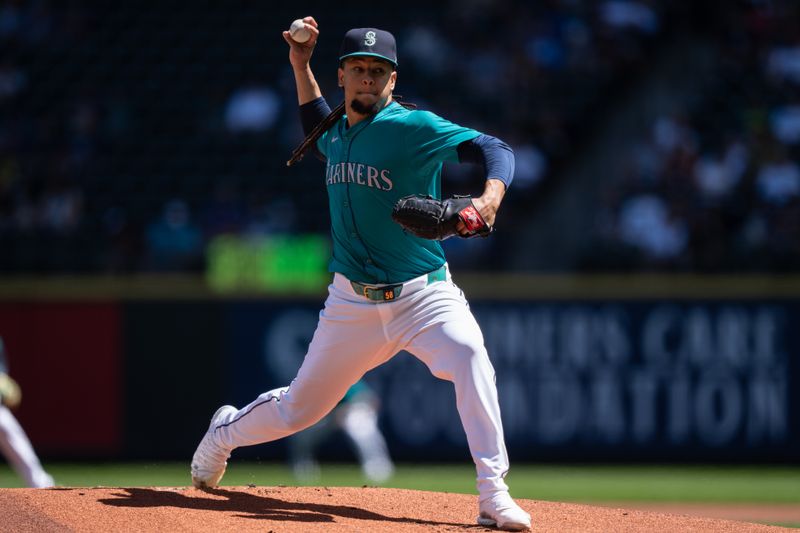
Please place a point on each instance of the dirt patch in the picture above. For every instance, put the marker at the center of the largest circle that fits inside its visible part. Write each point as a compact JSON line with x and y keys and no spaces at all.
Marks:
{"x":309,"y":509}
{"x":776,"y":513}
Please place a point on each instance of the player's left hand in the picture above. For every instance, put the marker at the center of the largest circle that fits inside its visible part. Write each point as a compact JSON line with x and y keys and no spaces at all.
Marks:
{"x":10,"y":393}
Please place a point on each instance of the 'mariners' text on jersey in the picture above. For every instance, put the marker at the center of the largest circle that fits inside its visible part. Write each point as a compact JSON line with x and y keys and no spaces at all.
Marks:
{"x":358,"y":173}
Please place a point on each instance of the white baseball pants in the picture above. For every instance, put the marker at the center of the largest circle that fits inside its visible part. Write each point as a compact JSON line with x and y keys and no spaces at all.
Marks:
{"x":16,"y":447}
{"x":431,"y":321}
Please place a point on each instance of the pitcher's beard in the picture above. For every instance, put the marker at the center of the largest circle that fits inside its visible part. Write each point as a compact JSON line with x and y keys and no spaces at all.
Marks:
{"x":366,"y":109}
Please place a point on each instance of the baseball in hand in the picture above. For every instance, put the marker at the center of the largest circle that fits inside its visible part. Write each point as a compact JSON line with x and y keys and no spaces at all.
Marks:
{"x":299,"y":32}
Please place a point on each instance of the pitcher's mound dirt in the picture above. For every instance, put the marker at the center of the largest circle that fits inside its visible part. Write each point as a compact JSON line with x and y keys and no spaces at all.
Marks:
{"x":308,"y":509}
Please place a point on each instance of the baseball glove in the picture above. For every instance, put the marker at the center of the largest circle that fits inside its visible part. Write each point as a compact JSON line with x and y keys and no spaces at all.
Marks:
{"x":429,"y":218}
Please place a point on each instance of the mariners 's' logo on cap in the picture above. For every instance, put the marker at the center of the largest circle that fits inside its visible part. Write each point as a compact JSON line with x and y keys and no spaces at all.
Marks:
{"x":369,"y":38}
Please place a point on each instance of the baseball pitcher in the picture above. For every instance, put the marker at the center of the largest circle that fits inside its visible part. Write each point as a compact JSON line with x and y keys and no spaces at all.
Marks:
{"x":391,"y":288}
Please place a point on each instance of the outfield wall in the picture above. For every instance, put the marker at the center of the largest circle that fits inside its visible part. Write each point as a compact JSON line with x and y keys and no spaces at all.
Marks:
{"x":696,"y":376}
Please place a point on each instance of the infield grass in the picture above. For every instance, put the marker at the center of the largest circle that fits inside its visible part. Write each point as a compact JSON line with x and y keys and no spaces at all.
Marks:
{"x":584,"y":483}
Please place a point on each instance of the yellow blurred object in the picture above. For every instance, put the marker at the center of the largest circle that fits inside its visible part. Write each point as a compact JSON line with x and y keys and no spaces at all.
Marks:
{"x":10,"y":393}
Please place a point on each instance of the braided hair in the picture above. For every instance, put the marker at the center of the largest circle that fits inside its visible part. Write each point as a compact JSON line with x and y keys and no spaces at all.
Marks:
{"x":326,"y":123}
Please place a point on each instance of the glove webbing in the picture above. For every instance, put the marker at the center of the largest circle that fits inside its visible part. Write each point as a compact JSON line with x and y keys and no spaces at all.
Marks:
{"x":327,"y":122}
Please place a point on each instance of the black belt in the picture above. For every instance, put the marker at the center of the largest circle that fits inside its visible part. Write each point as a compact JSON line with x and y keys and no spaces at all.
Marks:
{"x":387,"y":293}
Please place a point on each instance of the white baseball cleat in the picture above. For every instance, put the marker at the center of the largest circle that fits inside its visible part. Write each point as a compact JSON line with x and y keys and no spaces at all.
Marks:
{"x":210,"y":459}
{"x":500,"y":511}
{"x":42,"y":480}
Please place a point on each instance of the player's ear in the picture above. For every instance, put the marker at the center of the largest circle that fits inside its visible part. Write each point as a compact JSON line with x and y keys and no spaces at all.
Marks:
{"x":341,"y":77}
{"x":393,"y":79}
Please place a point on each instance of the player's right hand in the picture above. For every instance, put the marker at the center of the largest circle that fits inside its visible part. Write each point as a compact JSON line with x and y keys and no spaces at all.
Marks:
{"x":300,"y":53}
{"x":10,"y":393}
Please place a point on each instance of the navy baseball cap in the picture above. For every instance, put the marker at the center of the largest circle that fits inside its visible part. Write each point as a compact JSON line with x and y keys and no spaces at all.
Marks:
{"x":369,"y":42}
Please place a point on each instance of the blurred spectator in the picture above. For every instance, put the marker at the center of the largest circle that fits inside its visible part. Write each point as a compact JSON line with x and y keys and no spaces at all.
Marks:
{"x":646,"y":223}
{"x":252,"y":109}
{"x":61,"y":208}
{"x":785,"y":123}
{"x":173,"y":242}
{"x":625,"y":14}
{"x":784,"y":63}
{"x":426,"y":48}
{"x":778,"y":179}
{"x":716,"y":175}
{"x":529,"y":167}
{"x":672,"y":133}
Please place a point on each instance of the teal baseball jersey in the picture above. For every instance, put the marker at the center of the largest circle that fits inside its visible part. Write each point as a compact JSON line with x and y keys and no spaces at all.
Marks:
{"x":370,"y":166}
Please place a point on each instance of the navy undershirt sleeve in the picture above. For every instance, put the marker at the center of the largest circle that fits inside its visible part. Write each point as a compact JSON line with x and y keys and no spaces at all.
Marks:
{"x":495,"y":156}
{"x":313,"y":112}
